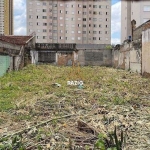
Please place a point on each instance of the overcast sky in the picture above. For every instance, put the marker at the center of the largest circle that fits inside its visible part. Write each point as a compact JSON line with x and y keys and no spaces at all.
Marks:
{"x":20,"y":19}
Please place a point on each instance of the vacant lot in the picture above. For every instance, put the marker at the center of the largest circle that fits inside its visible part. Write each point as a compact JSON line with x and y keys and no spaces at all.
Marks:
{"x":37,"y":105}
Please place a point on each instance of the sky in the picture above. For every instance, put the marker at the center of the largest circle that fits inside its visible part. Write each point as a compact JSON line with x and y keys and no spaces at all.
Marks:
{"x":20,"y":19}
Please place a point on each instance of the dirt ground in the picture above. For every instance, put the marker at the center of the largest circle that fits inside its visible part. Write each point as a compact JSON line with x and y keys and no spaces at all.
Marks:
{"x":72,"y":117}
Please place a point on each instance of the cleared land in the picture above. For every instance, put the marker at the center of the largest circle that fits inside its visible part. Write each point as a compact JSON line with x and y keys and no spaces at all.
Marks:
{"x":47,"y":116}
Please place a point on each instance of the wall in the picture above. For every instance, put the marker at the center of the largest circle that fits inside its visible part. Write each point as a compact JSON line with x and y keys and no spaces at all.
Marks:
{"x":84,"y":57}
{"x":4,"y":64}
{"x":95,"y":57}
{"x":128,"y":57}
{"x":146,"y":52}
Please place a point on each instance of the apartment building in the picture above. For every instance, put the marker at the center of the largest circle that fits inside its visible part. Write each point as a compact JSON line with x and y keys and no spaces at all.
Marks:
{"x":71,"y":21}
{"x":6,"y":17}
{"x":137,"y":10}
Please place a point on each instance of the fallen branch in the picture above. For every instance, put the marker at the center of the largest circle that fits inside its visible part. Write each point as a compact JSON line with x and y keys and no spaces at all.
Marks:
{"x":38,"y":125}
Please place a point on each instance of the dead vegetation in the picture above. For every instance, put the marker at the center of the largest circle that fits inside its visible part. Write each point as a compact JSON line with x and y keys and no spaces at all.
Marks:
{"x":38,"y":114}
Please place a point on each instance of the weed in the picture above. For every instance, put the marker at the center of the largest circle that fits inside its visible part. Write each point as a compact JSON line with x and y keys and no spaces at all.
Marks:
{"x":112,"y":142}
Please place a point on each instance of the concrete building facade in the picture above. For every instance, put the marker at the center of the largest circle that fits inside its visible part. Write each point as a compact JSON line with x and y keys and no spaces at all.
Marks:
{"x":74,"y":21}
{"x":133,"y":10}
{"x":6,"y":17}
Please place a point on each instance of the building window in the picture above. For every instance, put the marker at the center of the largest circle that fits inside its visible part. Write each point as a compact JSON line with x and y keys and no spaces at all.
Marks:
{"x":100,"y":25}
{"x":44,"y":3}
{"x":66,"y":12}
{"x":72,"y":38}
{"x":84,"y":19}
{"x":54,"y":37}
{"x":79,"y":31}
{"x":84,"y":6}
{"x":67,"y":18}
{"x":106,"y":26}
{"x":100,"y":13}
{"x":44,"y":30}
{"x":106,"y":19}
{"x":44,"y":24}
{"x":72,"y":12}
{"x":67,"y":5}
{"x":61,"y":31}
{"x":79,"y":38}
{"x":66,"y":38}
{"x":72,"y":31}
{"x":99,"y":38}
{"x":55,"y":11}
{"x":84,"y":13}
{"x":94,"y":6}
{"x":61,"y":37}
{"x":38,"y":30}
{"x":84,"y":32}
{"x":89,"y":5}
{"x":107,"y":6}
{"x":94,"y":32}
{"x":38,"y":37}
{"x":61,"y":4}
{"x":31,"y":9}
{"x":100,"y":6}
{"x":44,"y":37}
{"x":44,"y":10}
{"x":94,"y":38}
{"x":106,"y":13}
{"x":30,"y":16}
{"x":60,"y":18}
{"x":30,"y":30}
{"x":55,"y":24}
{"x":94,"y":19}
{"x":79,"y":18}
{"x":54,"y":31}
{"x":84,"y":25}
{"x":106,"y":32}
{"x":84,"y":38}
{"x":147,"y":8}
{"x":94,"y":25}
{"x":44,"y":17}
{"x":94,"y":12}
{"x":54,"y":5}
{"x":61,"y":11}
{"x":61,"y":25}
{"x":100,"y":32}
{"x":73,"y":25}
{"x":79,"y":25}
{"x":72,"y":6}
{"x":38,"y":3}
{"x":38,"y":23}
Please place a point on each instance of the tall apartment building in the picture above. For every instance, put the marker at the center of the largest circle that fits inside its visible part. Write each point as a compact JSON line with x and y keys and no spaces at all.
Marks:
{"x":71,"y":21}
{"x":137,"y":10}
{"x":6,"y":17}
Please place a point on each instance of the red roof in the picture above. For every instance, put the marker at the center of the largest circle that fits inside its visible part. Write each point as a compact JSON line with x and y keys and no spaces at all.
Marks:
{"x":18,"y":40}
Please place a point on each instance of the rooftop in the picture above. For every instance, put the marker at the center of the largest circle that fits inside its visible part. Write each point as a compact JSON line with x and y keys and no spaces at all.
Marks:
{"x":18,"y":40}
